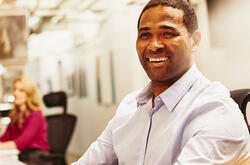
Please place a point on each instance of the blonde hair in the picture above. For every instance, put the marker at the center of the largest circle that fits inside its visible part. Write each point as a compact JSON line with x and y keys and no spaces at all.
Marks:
{"x":32,"y":104}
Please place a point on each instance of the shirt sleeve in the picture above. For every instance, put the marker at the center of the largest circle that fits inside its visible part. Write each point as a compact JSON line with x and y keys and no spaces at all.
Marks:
{"x":30,"y":130}
{"x":100,"y":152}
{"x":217,"y":141}
{"x":210,"y":150}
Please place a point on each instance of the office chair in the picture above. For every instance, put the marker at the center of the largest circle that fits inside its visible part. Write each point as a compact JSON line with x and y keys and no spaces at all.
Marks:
{"x":242,"y":97}
{"x":60,"y":128}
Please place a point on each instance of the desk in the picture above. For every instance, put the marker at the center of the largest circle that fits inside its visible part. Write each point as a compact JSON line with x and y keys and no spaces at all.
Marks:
{"x":10,"y":157}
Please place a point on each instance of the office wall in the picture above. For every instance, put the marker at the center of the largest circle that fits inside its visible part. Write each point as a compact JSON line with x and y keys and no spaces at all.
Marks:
{"x":228,"y":58}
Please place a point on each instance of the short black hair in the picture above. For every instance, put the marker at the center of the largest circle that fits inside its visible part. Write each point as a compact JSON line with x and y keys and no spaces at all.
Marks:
{"x":189,"y":17}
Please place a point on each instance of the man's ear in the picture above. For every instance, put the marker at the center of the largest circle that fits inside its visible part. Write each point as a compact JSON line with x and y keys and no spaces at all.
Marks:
{"x":196,"y":38}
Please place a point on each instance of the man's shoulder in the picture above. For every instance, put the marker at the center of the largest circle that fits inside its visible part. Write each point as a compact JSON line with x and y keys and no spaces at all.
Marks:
{"x":211,"y":91}
{"x":212,"y":96}
{"x":213,"y":112}
{"x":214,"y":102}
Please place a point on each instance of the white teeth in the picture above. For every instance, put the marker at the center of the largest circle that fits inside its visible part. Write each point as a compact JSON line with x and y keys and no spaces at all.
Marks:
{"x":158,"y":59}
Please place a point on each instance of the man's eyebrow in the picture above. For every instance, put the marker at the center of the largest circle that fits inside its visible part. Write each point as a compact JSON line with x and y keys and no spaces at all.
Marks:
{"x":161,"y":27}
{"x":166,"y":27}
{"x":144,"y":29}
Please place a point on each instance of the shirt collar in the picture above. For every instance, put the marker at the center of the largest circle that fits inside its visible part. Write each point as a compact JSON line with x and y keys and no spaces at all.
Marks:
{"x":144,"y":95}
{"x":174,"y":93}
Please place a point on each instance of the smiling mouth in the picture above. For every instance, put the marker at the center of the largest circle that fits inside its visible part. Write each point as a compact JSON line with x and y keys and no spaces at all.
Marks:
{"x":161,"y":59}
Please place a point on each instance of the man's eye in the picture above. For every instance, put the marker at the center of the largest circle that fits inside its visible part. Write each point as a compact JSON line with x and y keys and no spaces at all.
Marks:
{"x":169,"y":35}
{"x":144,"y":35}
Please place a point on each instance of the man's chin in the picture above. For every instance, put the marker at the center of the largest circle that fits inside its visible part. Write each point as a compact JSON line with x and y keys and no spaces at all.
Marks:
{"x":159,"y":78}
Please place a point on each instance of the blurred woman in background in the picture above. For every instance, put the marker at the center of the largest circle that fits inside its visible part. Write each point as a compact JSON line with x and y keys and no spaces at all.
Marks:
{"x":27,"y":130}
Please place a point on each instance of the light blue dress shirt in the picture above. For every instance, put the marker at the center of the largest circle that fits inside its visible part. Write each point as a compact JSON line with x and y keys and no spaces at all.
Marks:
{"x":194,"y":122}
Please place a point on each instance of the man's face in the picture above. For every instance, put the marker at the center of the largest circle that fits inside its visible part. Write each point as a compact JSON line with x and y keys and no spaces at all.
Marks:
{"x":164,"y":45}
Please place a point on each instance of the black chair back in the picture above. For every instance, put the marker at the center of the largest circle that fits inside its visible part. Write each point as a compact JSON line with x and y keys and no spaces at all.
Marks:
{"x":60,"y":126}
{"x":60,"y":130}
{"x":242,"y":97}
{"x":56,"y":99}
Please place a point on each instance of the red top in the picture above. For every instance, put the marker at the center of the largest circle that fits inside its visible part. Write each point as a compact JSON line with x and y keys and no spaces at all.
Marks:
{"x":33,"y":134}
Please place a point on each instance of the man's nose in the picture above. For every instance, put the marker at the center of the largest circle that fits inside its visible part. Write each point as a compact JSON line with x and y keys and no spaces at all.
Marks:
{"x":155,"y":45}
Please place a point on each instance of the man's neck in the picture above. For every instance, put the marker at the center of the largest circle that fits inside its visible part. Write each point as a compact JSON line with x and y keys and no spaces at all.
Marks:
{"x":158,"y":88}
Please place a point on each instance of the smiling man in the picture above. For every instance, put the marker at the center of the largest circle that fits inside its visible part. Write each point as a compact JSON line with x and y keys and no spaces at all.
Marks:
{"x":165,"y":45}
{"x":180,"y":117}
